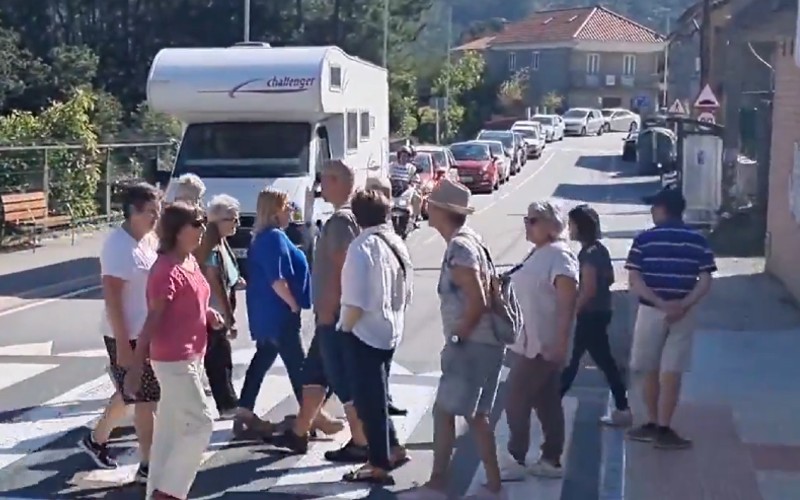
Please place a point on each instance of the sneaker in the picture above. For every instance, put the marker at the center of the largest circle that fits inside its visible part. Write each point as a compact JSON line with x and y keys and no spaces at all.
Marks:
{"x":484,"y":493}
{"x":510,"y":469}
{"x":395,"y":411}
{"x":97,"y":452}
{"x":350,"y":453}
{"x":290,"y":441}
{"x":617,"y":418}
{"x":668,"y":439}
{"x":644,"y":433}
{"x":547,"y":469}
{"x":141,"y":474}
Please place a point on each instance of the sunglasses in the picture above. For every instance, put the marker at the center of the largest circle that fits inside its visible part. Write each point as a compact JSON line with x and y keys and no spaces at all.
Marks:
{"x":199,"y":223}
{"x":531,"y":221}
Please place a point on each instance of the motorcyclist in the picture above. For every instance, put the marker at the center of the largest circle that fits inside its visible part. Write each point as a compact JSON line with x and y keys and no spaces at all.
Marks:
{"x":405,"y":171}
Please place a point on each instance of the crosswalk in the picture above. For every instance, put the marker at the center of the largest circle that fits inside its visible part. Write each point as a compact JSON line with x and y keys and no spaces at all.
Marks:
{"x":39,"y":458}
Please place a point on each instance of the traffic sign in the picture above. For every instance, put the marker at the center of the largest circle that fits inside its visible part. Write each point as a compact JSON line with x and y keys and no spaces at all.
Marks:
{"x":707,"y":117}
{"x":642,"y":101}
{"x":706,"y":99}
{"x":677,"y":108}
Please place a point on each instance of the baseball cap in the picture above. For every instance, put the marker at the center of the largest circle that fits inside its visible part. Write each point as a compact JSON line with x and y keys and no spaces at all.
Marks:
{"x":669,"y":198}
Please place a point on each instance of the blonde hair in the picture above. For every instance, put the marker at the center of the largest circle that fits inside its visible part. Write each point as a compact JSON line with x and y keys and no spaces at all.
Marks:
{"x":269,"y":204}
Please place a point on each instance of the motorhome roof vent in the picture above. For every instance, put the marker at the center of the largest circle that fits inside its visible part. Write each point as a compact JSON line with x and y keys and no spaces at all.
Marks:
{"x":263,"y":45}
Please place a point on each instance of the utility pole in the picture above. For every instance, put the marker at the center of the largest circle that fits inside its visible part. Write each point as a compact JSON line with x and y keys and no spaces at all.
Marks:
{"x":705,"y":44}
{"x":449,"y":66}
{"x":385,"y":33}
{"x":665,"y":99}
{"x":246,"y":20}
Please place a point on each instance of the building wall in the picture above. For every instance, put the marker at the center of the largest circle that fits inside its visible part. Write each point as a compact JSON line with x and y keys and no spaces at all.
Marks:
{"x":551,"y":76}
{"x":783,"y":231}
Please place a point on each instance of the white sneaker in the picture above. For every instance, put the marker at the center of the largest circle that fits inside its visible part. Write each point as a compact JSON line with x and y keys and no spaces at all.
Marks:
{"x":543,"y":468}
{"x":485,"y":494}
{"x":510,"y":469}
{"x":617,"y":418}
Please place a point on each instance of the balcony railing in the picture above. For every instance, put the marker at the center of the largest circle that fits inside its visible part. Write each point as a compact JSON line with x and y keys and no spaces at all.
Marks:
{"x":584,"y":80}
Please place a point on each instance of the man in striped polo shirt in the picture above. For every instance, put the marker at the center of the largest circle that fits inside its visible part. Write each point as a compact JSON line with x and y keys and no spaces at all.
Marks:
{"x":670,"y":268}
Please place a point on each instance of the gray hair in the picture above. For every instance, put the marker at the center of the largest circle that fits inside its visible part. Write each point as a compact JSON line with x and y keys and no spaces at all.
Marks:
{"x":188,"y":188}
{"x":341,"y":170}
{"x":550,"y":212}
{"x":221,"y":206}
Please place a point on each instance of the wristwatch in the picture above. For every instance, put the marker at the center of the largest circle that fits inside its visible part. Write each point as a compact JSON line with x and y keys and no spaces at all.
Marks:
{"x":455,"y":339}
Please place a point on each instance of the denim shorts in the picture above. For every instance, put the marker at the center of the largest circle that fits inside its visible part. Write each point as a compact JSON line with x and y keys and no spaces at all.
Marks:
{"x":331,"y":348}
{"x":470,"y":376}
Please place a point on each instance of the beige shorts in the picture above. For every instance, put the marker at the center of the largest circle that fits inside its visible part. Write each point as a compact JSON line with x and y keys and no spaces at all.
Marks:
{"x":658,"y":346}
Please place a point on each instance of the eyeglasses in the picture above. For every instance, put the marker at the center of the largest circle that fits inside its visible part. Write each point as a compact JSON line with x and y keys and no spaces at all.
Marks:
{"x":199,"y":223}
{"x":531,"y":221}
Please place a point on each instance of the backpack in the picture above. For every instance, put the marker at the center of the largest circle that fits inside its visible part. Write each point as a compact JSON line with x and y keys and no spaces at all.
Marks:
{"x":506,"y":313}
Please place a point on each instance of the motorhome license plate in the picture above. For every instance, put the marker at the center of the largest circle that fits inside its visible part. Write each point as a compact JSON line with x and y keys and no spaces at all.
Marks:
{"x":465,"y":178}
{"x":240,"y":253}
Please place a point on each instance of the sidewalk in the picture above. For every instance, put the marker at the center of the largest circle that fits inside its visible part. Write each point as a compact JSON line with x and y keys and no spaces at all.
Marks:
{"x":739,"y":403}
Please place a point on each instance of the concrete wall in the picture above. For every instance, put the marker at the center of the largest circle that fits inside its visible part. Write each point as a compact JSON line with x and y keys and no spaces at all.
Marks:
{"x":552,"y":75}
{"x":783,"y":231}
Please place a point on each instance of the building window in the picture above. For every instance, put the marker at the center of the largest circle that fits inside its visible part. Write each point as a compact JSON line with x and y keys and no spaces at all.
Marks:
{"x":352,"y":130}
{"x":628,"y":64}
{"x":336,"y":77}
{"x":535,"y":61}
{"x":593,"y":64}
{"x":512,"y":61}
{"x":364,"y":126}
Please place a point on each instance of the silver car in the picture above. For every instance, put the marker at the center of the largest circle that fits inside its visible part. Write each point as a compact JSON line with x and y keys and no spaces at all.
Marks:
{"x":583,"y":121}
{"x":621,"y":120}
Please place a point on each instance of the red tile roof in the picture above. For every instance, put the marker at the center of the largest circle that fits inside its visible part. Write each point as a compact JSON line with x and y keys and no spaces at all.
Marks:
{"x":477,"y":44}
{"x":582,"y":23}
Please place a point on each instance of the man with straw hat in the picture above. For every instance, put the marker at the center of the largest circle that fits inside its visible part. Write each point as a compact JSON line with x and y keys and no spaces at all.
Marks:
{"x":472,"y":356}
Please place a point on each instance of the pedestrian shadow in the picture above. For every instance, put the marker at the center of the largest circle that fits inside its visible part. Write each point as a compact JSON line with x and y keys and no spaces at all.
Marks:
{"x":40,"y":282}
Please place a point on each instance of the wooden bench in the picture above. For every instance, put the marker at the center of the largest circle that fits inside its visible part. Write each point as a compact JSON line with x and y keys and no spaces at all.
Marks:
{"x":28,"y":213}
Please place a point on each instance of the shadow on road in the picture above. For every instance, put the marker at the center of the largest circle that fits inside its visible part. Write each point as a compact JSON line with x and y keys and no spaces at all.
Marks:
{"x":628,"y":193}
{"x":40,"y":282}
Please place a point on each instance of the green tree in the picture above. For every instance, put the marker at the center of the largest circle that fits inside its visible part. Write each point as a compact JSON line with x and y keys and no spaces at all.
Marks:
{"x":512,"y":93}
{"x":552,"y":101}
{"x":456,"y":79}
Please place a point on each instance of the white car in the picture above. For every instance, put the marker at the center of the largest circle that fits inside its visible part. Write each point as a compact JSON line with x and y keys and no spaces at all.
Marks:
{"x":621,"y":120}
{"x":533,"y":138}
{"x":552,"y":126}
{"x":583,"y":121}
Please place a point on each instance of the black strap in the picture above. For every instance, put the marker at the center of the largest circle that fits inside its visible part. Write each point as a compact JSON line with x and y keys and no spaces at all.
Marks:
{"x":519,"y":266}
{"x":394,"y":251}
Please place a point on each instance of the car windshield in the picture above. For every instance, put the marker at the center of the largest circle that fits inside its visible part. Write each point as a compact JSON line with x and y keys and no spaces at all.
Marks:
{"x":544,"y":120}
{"x":470,"y":152}
{"x":439,"y":156}
{"x":423,"y":163}
{"x":576,"y":113}
{"x":506,"y":138}
{"x":608,"y":112}
{"x":244,"y":150}
{"x":496,"y":148}
{"x":528,"y":133}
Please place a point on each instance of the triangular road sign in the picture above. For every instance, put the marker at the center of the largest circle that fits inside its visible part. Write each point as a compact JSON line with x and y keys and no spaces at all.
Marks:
{"x":706,"y":99}
{"x":677,"y":108}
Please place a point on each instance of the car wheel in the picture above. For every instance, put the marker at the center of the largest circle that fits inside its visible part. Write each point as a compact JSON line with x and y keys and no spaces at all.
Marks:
{"x":583,"y":132}
{"x":600,"y":130}
{"x":608,"y":127}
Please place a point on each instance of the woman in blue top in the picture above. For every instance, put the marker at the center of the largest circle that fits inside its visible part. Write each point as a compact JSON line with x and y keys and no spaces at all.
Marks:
{"x":279,"y":287}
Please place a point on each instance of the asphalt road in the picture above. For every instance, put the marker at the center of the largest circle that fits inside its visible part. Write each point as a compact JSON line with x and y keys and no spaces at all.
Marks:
{"x":63,"y":333}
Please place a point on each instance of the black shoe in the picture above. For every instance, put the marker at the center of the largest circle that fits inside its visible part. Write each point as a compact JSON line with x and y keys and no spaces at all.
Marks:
{"x":142,"y":473}
{"x":97,"y":452}
{"x":350,"y":453}
{"x":644,"y":433}
{"x":290,"y":441}
{"x":395,"y":411}
{"x":668,"y":439}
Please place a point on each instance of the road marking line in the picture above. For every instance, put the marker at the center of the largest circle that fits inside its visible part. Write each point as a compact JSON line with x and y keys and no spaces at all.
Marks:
{"x":37,"y":349}
{"x":313,"y":475}
{"x":31,"y":305}
{"x":14,"y":373}
{"x":88,"y":353}
{"x":531,"y":487}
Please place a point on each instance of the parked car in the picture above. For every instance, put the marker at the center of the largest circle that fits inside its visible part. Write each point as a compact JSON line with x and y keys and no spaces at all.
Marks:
{"x":629,"y":146}
{"x":533,"y":139}
{"x":510,"y":143}
{"x":478,"y":168}
{"x":444,"y":163}
{"x":620,"y":120}
{"x":583,"y":121}
{"x":503,"y":158}
{"x":552,"y":126}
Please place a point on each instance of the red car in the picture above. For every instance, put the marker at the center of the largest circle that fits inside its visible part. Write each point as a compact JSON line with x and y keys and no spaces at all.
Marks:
{"x":477,"y":168}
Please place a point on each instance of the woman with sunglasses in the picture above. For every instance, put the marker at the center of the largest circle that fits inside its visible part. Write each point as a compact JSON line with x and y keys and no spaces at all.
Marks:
{"x":219,"y":265}
{"x":174,"y":338}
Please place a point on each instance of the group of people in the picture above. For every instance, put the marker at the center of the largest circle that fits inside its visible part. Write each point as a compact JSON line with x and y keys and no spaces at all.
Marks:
{"x":170,"y":280}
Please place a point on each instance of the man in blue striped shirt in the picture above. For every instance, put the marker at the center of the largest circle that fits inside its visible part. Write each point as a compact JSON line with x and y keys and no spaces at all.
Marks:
{"x":669,"y":268}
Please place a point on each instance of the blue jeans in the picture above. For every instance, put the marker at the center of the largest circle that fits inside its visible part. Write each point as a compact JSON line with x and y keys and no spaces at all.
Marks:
{"x":369,"y":381}
{"x":289,"y":347}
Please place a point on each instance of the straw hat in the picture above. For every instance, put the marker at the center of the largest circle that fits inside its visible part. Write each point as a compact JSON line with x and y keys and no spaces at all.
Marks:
{"x":451,"y":196}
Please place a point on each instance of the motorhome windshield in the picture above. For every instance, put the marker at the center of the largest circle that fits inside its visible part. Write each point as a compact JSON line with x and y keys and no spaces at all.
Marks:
{"x":245,"y":150}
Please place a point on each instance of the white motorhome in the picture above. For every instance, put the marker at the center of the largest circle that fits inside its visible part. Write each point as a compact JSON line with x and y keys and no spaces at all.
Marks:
{"x":257,"y":116}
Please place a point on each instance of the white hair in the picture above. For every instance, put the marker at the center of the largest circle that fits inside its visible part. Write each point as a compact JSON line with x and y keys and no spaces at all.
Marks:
{"x":221,"y":206}
{"x":550,"y":212}
{"x":188,"y":188}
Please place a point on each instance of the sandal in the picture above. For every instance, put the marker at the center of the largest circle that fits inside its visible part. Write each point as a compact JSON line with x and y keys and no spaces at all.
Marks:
{"x":367,"y":474}
{"x":350,"y":453}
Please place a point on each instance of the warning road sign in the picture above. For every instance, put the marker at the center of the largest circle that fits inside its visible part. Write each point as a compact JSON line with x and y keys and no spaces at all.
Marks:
{"x":677,"y":108}
{"x":706,"y":99}
{"x":707,"y":117}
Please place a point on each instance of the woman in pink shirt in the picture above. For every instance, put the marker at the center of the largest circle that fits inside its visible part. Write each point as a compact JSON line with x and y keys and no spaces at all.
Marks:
{"x":174,"y":339}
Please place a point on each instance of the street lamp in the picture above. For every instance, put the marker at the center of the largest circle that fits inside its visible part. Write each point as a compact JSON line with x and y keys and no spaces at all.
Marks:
{"x":385,"y":33}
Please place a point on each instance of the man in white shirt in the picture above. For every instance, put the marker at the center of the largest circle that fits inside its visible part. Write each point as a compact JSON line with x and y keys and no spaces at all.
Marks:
{"x":406,"y":171}
{"x":376,"y":291}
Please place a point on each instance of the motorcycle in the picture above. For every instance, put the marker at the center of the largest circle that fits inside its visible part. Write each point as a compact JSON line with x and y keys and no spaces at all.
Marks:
{"x":401,"y":208}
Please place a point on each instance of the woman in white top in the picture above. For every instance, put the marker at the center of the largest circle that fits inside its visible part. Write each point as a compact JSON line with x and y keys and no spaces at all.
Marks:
{"x":376,"y":291}
{"x":125,"y":261}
